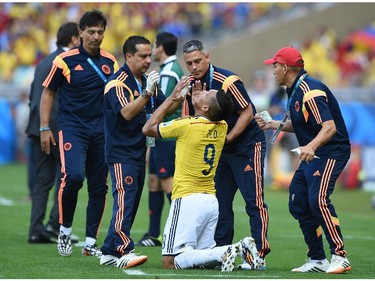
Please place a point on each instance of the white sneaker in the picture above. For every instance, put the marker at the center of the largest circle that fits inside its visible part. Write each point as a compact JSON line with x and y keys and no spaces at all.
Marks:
{"x":338,"y":265}
{"x":131,"y":260}
{"x":261,"y":265}
{"x":250,"y":256}
{"x":313,"y":266}
{"x":108,"y":260}
{"x":229,"y":257}
{"x":245,"y":266}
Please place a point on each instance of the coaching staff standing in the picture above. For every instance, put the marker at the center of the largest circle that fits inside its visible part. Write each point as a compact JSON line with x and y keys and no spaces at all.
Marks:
{"x":47,"y":165}
{"x":316,"y":119}
{"x":129,"y":95}
{"x":80,"y":74}
{"x":241,"y":165}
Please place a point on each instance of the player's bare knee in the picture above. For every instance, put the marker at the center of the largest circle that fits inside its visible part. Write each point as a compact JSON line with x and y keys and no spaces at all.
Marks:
{"x":153,"y":183}
{"x":166,"y":184}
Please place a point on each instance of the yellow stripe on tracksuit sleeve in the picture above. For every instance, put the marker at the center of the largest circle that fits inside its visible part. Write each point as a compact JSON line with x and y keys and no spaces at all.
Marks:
{"x":229,"y":81}
{"x":115,"y":83}
{"x":309,"y":96}
{"x":60,"y":63}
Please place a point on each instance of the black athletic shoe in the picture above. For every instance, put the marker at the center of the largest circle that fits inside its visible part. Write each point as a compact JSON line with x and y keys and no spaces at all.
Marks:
{"x":51,"y":231}
{"x":40,"y":239}
{"x":149,"y":241}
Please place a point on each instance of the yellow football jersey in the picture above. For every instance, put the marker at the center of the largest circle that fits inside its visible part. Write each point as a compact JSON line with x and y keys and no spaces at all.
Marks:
{"x":198,"y":149}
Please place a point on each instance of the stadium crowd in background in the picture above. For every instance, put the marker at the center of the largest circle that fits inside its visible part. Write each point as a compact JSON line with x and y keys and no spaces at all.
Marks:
{"x":23,"y":33}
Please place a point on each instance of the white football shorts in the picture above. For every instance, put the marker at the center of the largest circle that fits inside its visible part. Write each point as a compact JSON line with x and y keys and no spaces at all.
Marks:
{"x":191,"y":224}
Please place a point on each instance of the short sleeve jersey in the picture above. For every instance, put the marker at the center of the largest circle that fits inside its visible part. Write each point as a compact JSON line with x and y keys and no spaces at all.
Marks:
{"x":198,"y":148}
{"x":214,"y":79}
{"x":312,"y":104}
{"x":170,"y":73}
{"x":81,"y":94}
{"x":124,"y":140}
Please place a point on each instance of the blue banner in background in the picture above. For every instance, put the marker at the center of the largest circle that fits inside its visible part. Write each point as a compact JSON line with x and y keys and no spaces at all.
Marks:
{"x":360,"y":122}
{"x":7,"y":133}
{"x":359,"y":119}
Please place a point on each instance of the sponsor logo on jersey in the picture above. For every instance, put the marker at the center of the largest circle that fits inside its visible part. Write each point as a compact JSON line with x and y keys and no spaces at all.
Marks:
{"x":78,"y":67}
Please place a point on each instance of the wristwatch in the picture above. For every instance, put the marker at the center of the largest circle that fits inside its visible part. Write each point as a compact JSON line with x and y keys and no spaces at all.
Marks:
{"x":145,"y":94}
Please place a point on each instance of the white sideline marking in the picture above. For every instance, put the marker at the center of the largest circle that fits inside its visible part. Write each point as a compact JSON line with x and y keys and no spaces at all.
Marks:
{"x":134,"y":272}
{"x":6,"y":202}
{"x":370,"y":238}
{"x":182,"y":275}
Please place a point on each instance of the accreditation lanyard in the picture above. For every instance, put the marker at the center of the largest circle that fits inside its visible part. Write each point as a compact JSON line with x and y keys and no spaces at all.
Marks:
{"x":287,"y":110}
{"x":151,"y":98}
{"x":211,"y":75}
{"x":97,"y":70}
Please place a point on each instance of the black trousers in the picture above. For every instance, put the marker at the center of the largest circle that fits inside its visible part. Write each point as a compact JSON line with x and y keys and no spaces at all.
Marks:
{"x":47,"y":172}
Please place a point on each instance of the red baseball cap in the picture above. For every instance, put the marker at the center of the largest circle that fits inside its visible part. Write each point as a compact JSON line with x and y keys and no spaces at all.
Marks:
{"x":287,"y":55}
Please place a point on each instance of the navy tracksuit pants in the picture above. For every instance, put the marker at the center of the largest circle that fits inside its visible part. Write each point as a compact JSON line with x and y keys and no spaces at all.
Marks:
{"x":82,"y":155}
{"x":242,"y":170}
{"x":309,"y":203}
{"x":127,"y":186}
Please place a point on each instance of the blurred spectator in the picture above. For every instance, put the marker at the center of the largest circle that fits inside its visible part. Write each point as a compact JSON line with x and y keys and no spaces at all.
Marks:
{"x":21,"y":117}
{"x":369,"y":77}
{"x":195,"y":21}
{"x":242,"y":13}
{"x":320,"y":51}
{"x":23,"y":32}
{"x":260,"y":92}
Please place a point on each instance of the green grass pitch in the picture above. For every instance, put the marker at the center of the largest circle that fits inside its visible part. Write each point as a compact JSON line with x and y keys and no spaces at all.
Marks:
{"x":20,"y":260}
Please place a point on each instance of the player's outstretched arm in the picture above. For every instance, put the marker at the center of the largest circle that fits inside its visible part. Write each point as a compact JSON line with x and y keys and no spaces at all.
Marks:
{"x":178,"y":94}
{"x":169,"y":105}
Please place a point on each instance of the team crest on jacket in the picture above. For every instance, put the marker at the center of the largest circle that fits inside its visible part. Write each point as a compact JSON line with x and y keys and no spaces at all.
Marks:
{"x":296,"y":106}
{"x":106,"y":69}
{"x":128,"y":180}
{"x":67,"y":146}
